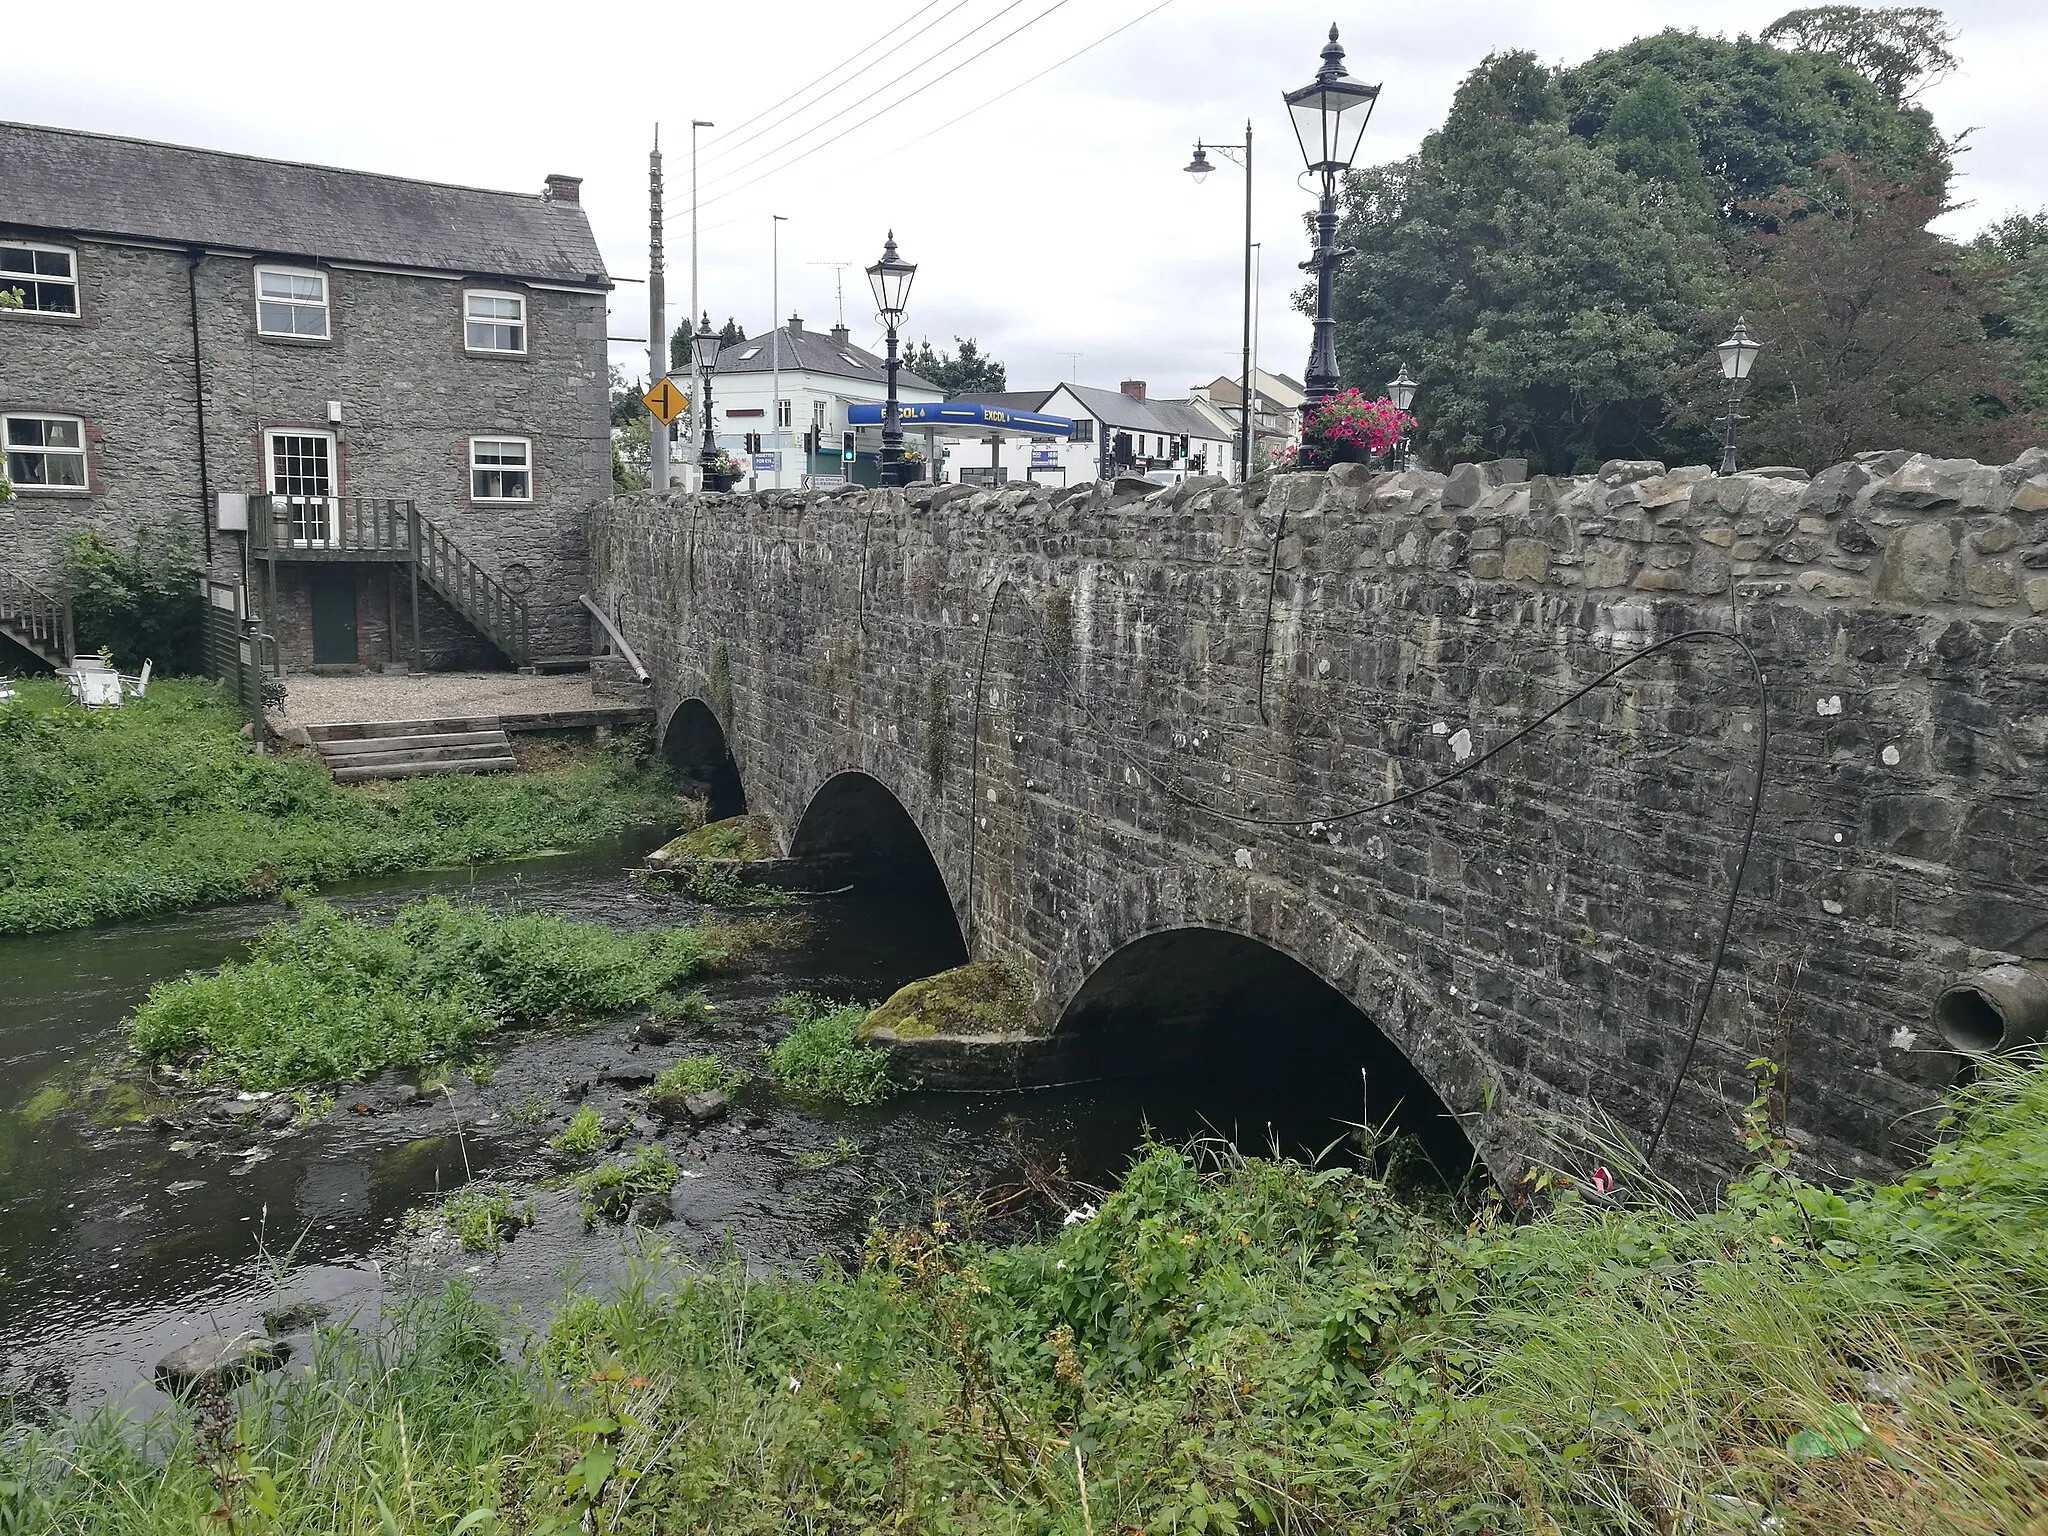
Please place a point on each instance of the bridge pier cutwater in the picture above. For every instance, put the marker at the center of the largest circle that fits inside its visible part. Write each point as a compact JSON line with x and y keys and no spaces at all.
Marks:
{"x":1132,"y":736}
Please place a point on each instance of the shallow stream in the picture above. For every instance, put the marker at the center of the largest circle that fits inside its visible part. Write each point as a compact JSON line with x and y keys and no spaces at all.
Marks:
{"x":120,"y":1241}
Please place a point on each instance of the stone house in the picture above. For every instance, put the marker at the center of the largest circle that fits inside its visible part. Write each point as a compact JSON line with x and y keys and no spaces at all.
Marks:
{"x":200,"y":331}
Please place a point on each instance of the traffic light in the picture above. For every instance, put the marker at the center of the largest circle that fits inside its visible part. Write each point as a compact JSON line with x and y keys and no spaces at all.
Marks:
{"x":753,"y":442}
{"x":846,"y":446}
{"x":810,"y":441}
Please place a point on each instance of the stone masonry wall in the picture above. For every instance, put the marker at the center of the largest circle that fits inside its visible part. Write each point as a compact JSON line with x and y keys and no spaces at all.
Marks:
{"x":411,"y":399}
{"x":1065,"y":691}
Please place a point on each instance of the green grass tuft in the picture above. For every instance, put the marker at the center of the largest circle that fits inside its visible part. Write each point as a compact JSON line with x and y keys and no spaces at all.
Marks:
{"x":822,"y":1059}
{"x":609,"y":1192}
{"x":582,"y":1136}
{"x":323,"y":997}
{"x":163,"y":805}
{"x":693,"y":1074}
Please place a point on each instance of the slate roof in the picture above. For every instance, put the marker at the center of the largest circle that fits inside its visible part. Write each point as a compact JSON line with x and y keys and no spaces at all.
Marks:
{"x":1114,"y":408}
{"x":814,"y":352}
{"x":1011,"y":400}
{"x":61,"y":179}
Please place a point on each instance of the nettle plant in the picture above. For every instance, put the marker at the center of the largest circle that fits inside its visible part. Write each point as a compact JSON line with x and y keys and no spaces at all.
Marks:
{"x":1350,"y":428}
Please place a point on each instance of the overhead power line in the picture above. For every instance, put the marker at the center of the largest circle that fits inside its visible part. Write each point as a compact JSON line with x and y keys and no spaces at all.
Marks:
{"x":853,"y":106}
{"x":725,"y":143}
{"x":984,"y":106}
{"x":1021,"y":27}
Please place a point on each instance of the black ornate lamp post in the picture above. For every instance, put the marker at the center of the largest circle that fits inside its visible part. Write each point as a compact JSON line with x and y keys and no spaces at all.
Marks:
{"x":1401,"y":395}
{"x":1199,"y":168}
{"x":890,"y":278}
{"x":1330,"y":114}
{"x":704,"y":348}
{"x":1738,"y":356}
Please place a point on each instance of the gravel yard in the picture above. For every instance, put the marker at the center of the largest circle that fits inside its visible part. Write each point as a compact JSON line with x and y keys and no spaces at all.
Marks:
{"x":318,"y":700}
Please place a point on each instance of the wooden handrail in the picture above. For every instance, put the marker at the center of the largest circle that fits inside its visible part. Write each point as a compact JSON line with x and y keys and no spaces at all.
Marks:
{"x":35,"y":617}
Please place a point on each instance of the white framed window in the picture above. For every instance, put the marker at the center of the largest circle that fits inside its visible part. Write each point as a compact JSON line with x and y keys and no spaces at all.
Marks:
{"x":45,"y":453}
{"x":781,"y":413}
{"x":291,"y":301}
{"x":46,"y":277}
{"x":500,"y":469}
{"x":494,"y":322}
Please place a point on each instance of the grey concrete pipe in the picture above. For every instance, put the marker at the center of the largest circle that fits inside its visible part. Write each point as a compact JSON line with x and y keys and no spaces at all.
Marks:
{"x":1994,"y":1010}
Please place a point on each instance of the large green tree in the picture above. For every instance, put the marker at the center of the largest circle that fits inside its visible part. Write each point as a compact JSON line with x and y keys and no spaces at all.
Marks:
{"x":1542,"y":294}
{"x":2012,"y":257}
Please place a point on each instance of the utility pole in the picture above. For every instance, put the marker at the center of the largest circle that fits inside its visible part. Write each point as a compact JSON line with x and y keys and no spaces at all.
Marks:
{"x":697,"y":419}
{"x":775,"y":223}
{"x":657,"y":321}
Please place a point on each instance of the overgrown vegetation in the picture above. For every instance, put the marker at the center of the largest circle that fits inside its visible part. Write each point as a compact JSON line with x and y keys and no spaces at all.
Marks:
{"x":609,"y":1191}
{"x":983,"y":997}
{"x":163,"y":805}
{"x":323,"y":997}
{"x":702,"y":862}
{"x":482,"y":1217}
{"x":141,"y":604}
{"x":693,"y":1074}
{"x":822,"y":1059}
{"x":1229,"y":1345}
{"x":582,"y":1136}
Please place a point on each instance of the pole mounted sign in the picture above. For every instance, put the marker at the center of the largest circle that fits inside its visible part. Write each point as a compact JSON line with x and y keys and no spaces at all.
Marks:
{"x":666,"y":401}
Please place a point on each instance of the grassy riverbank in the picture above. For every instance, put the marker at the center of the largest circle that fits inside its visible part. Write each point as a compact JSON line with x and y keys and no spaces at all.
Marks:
{"x":163,"y":805}
{"x":323,"y":997}
{"x":1248,"y":1346}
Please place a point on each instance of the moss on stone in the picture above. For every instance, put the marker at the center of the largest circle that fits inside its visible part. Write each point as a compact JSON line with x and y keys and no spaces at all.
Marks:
{"x":746,"y":838}
{"x":43,"y":1104}
{"x":980,"y":998}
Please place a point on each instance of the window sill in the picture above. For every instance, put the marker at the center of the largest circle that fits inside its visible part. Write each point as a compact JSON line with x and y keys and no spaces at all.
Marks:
{"x":490,"y":502}
{"x":295,"y":341}
{"x":42,"y":316}
{"x":55,"y":492}
{"x":495,"y":353}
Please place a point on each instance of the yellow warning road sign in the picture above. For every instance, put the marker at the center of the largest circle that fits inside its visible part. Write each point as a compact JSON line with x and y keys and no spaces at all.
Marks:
{"x":666,"y":401}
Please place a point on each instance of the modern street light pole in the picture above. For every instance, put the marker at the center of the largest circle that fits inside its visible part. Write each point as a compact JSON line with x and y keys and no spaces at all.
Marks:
{"x":704,"y":356}
{"x":1401,"y":395}
{"x":1738,"y":356}
{"x":1199,"y":168}
{"x":1330,"y":114}
{"x":890,"y":279}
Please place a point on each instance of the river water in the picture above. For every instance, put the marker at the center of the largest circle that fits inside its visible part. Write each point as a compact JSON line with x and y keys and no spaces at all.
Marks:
{"x":119,"y":1242}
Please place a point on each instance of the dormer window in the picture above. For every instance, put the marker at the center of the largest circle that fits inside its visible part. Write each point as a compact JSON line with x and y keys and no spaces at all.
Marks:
{"x":291,"y":301}
{"x":750,"y":352}
{"x":46,"y":277}
{"x":494,"y":322}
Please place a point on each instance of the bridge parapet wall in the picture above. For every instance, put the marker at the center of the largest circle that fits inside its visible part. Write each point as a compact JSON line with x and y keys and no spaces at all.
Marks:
{"x":1121,"y":710}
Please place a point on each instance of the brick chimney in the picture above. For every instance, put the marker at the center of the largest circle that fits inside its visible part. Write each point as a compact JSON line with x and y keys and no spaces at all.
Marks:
{"x":564,"y":189}
{"x":796,"y":325}
{"x":841,"y":336}
{"x":1135,"y":388}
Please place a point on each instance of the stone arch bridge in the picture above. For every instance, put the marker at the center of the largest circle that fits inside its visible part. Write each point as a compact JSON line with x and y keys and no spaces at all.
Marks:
{"x":1135,"y":732}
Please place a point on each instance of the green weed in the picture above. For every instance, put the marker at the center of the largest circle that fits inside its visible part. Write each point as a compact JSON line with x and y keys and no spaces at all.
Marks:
{"x":693,"y":1074}
{"x":690,"y":1010}
{"x":163,"y":805}
{"x":609,"y":1192}
{"x":323,"y":997}
{"x":822,"y":1060}
{"x":582,"y":1136}
{"x":531,"y":1110}
{"x":843,"y":1150}
{"x":482,"y":1217}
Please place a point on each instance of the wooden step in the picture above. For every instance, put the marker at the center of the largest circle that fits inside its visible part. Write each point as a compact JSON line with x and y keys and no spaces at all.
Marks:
{"x":407,"y":768}
{"x":362,"y":730}
{"x":378,"y":746}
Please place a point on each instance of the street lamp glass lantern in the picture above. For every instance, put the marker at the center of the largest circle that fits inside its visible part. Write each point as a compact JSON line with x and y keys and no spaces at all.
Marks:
{"x":1199,"y":167}
{"x":1401,"y":389}
{"x":1738,"y":353}
{"x":706,"y":347}
{"x":1330,"y":112}
{"x":890,"y":278}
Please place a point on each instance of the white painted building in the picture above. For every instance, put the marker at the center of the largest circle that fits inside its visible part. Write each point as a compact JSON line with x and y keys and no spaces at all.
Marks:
{"x":1116,"y":432}
{"x":803,"y":420}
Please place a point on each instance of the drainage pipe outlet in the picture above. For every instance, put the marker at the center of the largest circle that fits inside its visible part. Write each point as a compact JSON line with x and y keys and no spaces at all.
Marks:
{"x":1994,"y":1010}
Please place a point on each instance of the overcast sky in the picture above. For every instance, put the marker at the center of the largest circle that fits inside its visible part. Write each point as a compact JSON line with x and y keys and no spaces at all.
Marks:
{"x":1056,"y":220}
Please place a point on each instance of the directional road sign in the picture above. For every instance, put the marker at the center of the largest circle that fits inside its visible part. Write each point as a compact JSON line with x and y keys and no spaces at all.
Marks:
{"x":666,"y":401}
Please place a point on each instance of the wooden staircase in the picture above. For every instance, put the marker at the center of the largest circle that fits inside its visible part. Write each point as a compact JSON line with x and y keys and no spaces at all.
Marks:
{"x":34,"y":620}
{"x":406,"y":749}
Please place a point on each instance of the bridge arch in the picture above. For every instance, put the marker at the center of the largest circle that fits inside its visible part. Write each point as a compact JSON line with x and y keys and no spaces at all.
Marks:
{"x":695,"y":748}
{"x":856,"y":828}
{"x":1271,"y":1040}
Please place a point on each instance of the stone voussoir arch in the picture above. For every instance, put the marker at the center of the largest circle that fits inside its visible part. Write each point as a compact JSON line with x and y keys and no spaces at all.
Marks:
{"x":1323,"y":940}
